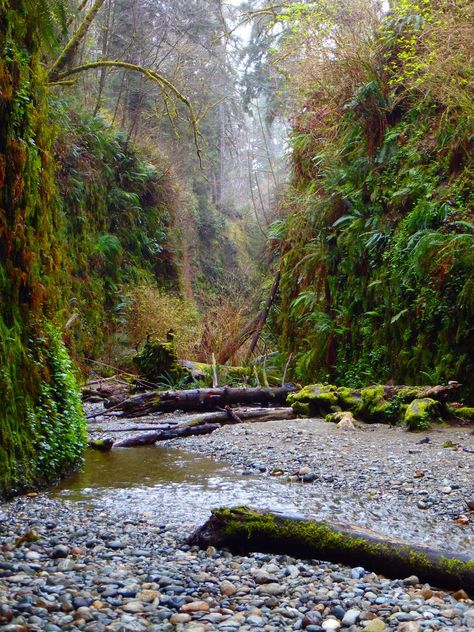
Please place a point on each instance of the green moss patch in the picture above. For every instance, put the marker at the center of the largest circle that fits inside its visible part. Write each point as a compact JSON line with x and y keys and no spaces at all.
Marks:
{"x":420,"y":413}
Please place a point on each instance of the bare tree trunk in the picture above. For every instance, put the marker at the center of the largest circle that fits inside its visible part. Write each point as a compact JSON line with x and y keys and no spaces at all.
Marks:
{"x":105,"y":48}
{"x":264,"y":315}
{"x":206,"y":399}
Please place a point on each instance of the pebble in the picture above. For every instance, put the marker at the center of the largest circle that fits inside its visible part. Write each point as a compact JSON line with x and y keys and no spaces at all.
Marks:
{"x":195,"y":606}
{"x":376,"y":625}
{"x":409,"y":626}
{"x":133,"y":607}
{"x":351,"y":617}
{"x":227,"y":588}
{"x":60,"y":551}
{"x":271,"y":589}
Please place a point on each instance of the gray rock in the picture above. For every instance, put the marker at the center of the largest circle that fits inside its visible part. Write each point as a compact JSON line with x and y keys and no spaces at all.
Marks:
{"x":351,"y":617}
{"x":60,"y":551}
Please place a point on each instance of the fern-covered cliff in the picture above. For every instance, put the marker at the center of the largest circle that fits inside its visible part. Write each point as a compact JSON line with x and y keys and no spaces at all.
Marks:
{"x":82,"y":218}
{"x":41,"y":422}
{"x":377,"y":251}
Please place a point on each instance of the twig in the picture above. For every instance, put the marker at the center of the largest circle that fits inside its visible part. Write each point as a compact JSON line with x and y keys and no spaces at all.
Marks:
{"x":255,"y":372}
{"x":215,"y":381}
{"x":109,"y":366}
{"x":264,"y":372}
{"x":283,"y":379}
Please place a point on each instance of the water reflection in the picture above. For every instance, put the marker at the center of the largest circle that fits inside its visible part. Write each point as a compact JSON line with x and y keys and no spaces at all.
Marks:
{"x":176,"y":486}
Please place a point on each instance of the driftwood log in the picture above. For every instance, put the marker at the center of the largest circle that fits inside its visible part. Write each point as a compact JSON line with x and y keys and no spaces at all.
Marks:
{"x":244,"y":529}
{"x":149,"y":438}
{"x":199,"y":425}
{"x":206,"y":399}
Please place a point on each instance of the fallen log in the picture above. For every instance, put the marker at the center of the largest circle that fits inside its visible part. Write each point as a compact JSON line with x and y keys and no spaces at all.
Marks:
{"x":243,"y":529}
{"x":149,"y":438}
{"x":206,"y":399}
{"x":200,"y":425}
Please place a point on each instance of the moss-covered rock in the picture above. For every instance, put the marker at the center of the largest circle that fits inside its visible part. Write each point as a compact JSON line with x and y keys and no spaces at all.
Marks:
{"x":421,"y":413}
{"x":103,"y":445}
{"x":315,"y":400}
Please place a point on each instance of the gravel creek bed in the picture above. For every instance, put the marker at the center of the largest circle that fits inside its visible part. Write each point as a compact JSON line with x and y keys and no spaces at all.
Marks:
{"x":101,"y":565}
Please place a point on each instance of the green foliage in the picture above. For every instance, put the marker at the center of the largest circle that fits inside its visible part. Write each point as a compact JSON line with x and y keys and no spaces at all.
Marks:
{"x":116,"y":218}
{"x":158,"y":363}
{"x":56,"y":418}
{"x":81,"y":216}
{"x":378,"y":253}
{"x":41,"y":421}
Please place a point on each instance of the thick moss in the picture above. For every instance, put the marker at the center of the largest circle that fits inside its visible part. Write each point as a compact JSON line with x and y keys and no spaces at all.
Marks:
{"x":157,"y":361}
{"x":314,"y":400}
{"x":465,"y":412}
{"x":301,"y":408}
{"x":374,"y":404}
{"x":42,"y":427}
{"x":350,"y":399}
{"x":421,"y":412}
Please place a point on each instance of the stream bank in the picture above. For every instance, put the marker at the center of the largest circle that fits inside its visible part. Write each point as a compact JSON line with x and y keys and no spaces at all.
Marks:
{"x":102,"y":554}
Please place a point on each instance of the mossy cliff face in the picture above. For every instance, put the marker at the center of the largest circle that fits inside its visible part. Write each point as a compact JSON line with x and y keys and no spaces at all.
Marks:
{"x":116,"y":212}
{"x":377,"y":250}
{"x":41,"y":421}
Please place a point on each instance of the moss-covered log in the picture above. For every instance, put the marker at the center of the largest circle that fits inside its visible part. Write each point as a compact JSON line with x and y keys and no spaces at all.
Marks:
{"x":206,"y":399}
{"x":244,"y":529}
{"x":416,"y":406}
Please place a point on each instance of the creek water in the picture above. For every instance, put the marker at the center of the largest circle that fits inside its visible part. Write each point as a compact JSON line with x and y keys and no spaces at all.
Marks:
{"x":175,"y":486}
{"x":178,"y":488}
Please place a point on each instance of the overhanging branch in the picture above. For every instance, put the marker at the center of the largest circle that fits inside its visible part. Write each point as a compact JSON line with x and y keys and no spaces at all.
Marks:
{"x":162,"y":81}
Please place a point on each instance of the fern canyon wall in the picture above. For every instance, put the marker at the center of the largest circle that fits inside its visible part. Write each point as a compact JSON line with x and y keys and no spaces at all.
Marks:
{"x":41,"y":422}
{"x":83,"y":217}
{"x":286,"y":188}
{"x":377,"y":245}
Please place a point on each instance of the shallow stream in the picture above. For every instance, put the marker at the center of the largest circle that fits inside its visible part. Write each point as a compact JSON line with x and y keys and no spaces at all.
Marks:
{"x":176,"y":486}
{"x":178,"y":489}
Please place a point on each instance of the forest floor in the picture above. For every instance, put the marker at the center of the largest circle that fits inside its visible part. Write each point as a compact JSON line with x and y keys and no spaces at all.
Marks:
{"x":97,"y":568}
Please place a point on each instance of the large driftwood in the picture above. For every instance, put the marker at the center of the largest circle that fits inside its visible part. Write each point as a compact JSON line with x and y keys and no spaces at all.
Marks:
{"x":149,"y":438}
{"x":206,"y":399}
{"x":199,"y":425}
{"x":243,"y":529}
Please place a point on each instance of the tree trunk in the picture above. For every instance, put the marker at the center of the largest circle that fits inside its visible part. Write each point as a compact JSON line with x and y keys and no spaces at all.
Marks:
{"x":202,"y":424}
{"x":264,"y":315}
{"x":243,"y":529}
{"x":207,"y":399}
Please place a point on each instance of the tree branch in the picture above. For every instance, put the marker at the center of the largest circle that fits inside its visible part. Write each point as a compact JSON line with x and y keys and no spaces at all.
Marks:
{"x":71,"y":47}
{"x":162,"y":81}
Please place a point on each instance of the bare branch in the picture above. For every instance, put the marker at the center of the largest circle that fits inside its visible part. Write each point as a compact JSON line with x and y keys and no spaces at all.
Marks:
{"x":162,"y":81}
